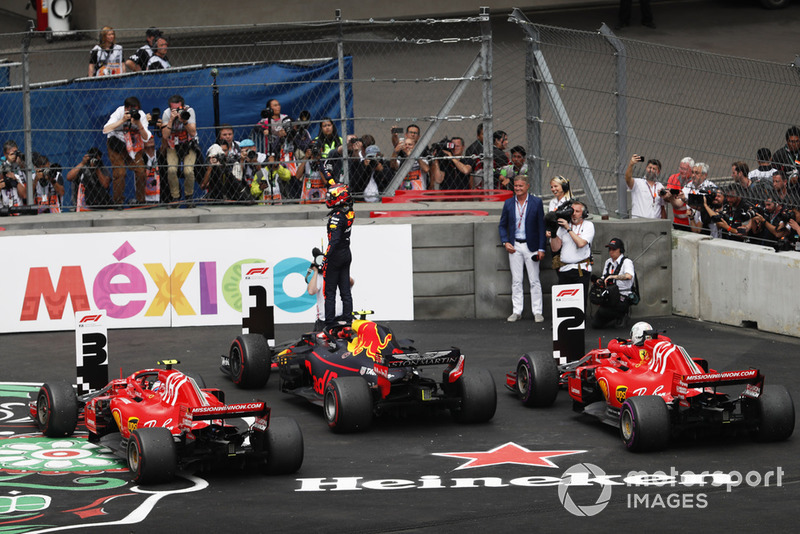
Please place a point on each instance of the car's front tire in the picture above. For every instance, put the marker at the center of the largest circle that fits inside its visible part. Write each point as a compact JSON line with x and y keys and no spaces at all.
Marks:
{"x":57,"y":410}
{"x":644,"y":423}
{"x":151,"y":455}
{"x":250,"y":361}
{"x":537,"y":379}
{"x":348,"y":404}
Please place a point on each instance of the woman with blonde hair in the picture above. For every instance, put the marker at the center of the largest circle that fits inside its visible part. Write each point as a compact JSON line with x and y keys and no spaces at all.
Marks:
{"x":559,"y":186}
{"x":106,"y":57}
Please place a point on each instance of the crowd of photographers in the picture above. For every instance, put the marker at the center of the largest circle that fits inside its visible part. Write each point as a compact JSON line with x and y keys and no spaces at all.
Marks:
{"x":760,"y":206}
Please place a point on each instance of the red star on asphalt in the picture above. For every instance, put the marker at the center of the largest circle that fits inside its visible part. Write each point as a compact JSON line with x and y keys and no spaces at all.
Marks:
{"x":510,"y":453}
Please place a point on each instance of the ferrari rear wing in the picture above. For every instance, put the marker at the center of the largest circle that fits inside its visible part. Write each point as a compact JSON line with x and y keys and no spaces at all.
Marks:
{"x":727,"y":378}
{"x":204,"y":413}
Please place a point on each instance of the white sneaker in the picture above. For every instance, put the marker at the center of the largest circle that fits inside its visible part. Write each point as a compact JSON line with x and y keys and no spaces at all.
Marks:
{"x":539,"y":318}
{"x":513,"y":318}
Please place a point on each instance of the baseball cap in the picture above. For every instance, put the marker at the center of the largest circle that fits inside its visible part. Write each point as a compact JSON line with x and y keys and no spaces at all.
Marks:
{"x":616,"y":243}
{"x":246,"y":143}
{"x":372,"y":150}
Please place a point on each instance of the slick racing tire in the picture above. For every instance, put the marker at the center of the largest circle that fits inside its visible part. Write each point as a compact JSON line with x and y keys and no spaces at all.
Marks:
{"x":57,"y":410}
{"x":284,"y":446}
{"x":775,"y":410}
{"x":537,"y":379}
{"x":250,"y":361}
{"x":478,"y":397}
{"x":644,"y":423}
{"x":348,"y":404}
{"x":151,"y":455}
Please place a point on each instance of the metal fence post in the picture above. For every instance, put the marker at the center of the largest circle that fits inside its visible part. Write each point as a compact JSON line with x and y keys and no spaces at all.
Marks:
{"x":26,"y":112}
{"x":621,"y":93}
{"x":486,"y":64}
{"x":533,"y":120}
{"x":563,"y":121}
{"x":342,"y":99}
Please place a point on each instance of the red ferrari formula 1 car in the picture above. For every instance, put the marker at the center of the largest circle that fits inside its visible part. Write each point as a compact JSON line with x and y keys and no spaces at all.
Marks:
{"x":653,"y":390}
{"x":360,"y":371}
{"x":160,"y":419}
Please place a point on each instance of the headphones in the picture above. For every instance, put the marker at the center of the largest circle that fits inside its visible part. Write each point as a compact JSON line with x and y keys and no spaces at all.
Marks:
{"x":563,"y":182}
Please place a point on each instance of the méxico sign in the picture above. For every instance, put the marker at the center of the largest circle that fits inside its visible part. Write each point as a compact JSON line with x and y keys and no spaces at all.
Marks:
{"x":188,"y":278}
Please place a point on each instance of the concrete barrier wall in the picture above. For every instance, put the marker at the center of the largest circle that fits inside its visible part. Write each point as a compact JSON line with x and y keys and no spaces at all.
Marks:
{"x":736,"y":284}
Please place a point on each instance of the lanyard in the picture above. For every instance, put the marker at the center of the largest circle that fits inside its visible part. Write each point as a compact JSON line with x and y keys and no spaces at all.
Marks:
{"x":521,"y":211}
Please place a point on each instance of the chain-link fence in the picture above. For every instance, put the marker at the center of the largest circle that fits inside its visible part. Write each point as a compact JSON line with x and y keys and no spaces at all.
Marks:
{"x":368,"y":77}
{"x":579,"y":102}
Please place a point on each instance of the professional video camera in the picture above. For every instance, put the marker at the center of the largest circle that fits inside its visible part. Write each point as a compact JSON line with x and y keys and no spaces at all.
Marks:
{"x":437,"y":149}
{"x":564,"y":211}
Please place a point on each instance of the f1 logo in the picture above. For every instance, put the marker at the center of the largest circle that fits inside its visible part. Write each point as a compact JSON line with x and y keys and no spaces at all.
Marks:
{"x":257,"y":270}
{"x":90,"y":319}
{"x":567,"y":292}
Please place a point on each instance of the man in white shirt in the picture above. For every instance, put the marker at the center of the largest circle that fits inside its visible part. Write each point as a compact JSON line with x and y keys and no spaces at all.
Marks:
{"x":127,"y":132}
{"x":574,"y":240}
{"x":646,"y":199}
{"x":618,"y":271}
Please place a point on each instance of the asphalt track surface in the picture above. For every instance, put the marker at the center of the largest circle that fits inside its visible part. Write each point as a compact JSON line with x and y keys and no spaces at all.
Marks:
{"x":405,"y":452}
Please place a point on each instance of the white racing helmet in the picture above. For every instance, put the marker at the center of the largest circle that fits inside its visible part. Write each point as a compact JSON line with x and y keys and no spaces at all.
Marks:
{"x":637,"y":332}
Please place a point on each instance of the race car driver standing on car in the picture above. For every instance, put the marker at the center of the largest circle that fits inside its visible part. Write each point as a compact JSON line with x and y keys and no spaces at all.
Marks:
{"x":336,"y":269}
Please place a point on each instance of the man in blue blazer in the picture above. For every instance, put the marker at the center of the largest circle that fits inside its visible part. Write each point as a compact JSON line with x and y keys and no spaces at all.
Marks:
{"x":522,"y":234}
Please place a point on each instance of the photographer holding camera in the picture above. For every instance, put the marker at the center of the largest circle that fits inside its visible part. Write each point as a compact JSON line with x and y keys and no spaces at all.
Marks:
{"x":264,"y":173}
{"x":574,"y":240}
{"x":92,"y":181}
{"x":9,"y":196}
{"x":772,"y":221}
{"x":316,"y":174}
{"x":377,"y":175}
{"x":15,"y":160}
{"x":274,"y":126}
{"x":449,"y":169}
{"x":179,"y":130}
{"x":127,"y":131}
{"x":612,"y":291}
{"x":49,"y":184}
{"x":223,"y":178}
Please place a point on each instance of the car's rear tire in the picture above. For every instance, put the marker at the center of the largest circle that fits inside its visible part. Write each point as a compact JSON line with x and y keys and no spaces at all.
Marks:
{"x":478,"y":397}
{"x":775,"y":409}
{"x":644,"y":423}
{"x":57,"y":410}
{"x":537,"y":379}
{"x":250,"y":361}
{"x":151,"y":455}
{"x":284,"y":446}
{"x":348,"y":404}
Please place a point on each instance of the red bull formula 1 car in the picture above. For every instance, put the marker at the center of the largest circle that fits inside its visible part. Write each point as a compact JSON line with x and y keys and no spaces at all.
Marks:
{"x":360,"y":371}
{"x":160,"y":419}
{"x":653,"y":390}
